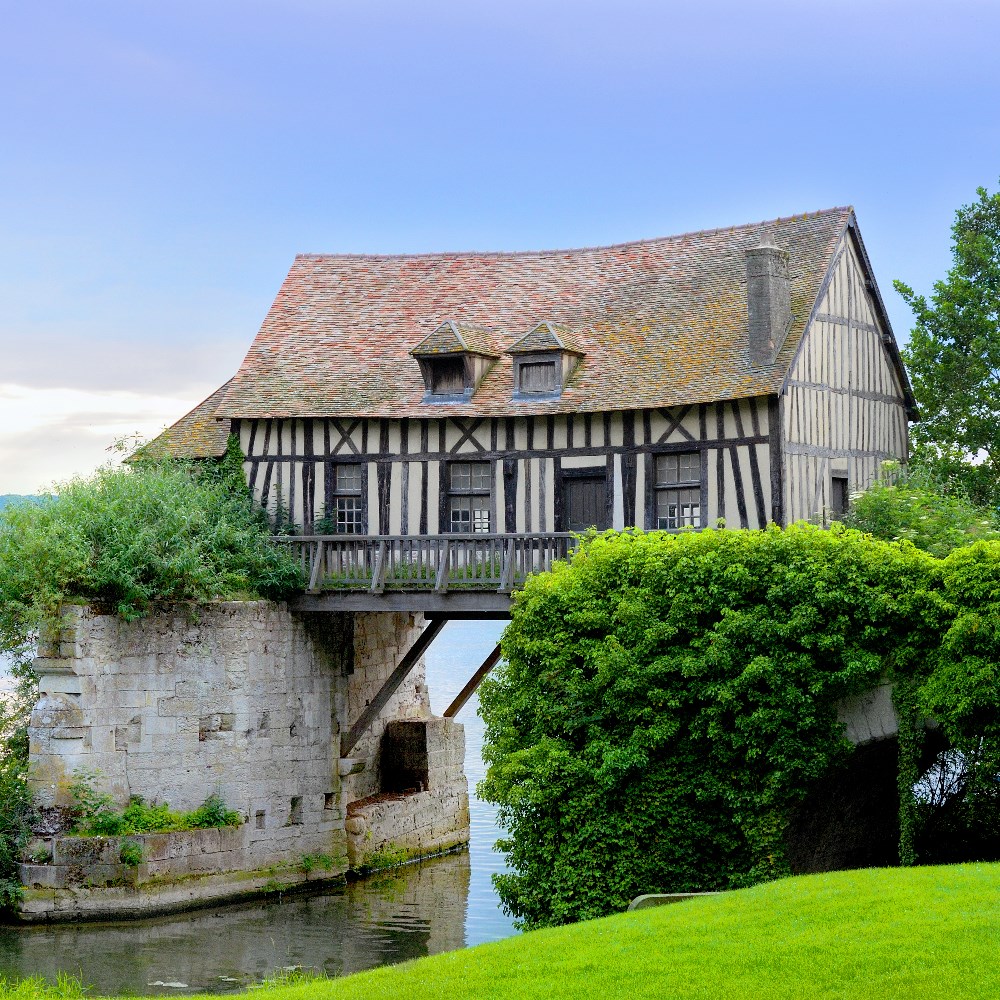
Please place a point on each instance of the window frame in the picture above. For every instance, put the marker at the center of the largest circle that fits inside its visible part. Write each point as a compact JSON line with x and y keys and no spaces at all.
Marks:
{"x":837,"y":478}
{"x":428,"y":364}
{"x":448,"y":492}
{"x":555,"y":358}
{"x":332,"y":491}
{"x":438,"y":366}
{"x":654,"y":489}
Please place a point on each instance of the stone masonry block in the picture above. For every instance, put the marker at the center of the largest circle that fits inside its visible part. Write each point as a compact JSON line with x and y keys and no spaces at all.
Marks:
{"x":85,"y":851}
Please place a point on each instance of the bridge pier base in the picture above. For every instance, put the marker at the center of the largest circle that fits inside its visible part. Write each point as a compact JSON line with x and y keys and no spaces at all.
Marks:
{"x":247,"y":701}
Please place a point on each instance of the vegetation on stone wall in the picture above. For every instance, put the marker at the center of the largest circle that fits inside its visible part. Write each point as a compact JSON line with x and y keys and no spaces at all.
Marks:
{"x":95,"y":814}
{"x":16,"y":810}
{"x":129,"y":537}
{"x":124,"y":539}
{"x":668,"y":700}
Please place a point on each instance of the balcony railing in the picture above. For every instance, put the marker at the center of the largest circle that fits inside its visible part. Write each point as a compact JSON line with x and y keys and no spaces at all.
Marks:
{"x":430,"y":563}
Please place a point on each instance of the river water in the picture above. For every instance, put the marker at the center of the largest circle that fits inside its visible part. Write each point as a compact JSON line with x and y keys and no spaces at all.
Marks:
{"x":420,"y":909}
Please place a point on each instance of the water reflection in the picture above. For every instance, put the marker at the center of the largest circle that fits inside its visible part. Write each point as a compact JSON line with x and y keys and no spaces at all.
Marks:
{"x":408,"y":913}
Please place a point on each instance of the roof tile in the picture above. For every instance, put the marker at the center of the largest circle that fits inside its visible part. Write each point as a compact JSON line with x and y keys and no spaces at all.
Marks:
{"x":660,"y":322}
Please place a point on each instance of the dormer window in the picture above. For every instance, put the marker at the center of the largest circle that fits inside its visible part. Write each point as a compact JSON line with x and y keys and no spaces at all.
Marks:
{"x":544,"y":359}
{"x":453,"y":361}
{"x":538,"y":376}
{"x":447,"y":376}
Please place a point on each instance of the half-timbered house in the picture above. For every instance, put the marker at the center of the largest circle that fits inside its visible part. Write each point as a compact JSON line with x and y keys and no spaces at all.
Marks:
{"x":737,"y":376}
{"x":436,"y":427}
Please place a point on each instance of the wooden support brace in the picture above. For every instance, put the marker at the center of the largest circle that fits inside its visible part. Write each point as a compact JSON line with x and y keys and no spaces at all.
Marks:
{"x":374,"y":708}
{"x":317,"y":569}
{"x":467,"y":692}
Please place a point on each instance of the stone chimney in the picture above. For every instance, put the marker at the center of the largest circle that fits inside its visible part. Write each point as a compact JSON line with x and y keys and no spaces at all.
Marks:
{"x":769,"y":306}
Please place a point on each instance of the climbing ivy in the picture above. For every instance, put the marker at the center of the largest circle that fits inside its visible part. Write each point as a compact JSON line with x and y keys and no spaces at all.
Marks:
{"x":668,"y":700}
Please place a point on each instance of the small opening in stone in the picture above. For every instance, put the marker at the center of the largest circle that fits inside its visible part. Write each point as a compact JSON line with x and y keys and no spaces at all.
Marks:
{"x":295,"y":811}
{"x":404,"y":762}
{"x":329,"y":800}
{"x":259,"y":817}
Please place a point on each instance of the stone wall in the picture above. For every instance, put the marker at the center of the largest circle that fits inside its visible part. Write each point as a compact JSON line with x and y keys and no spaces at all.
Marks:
{"x":234,"y":700}
{"x":394,"y":826}
{"x":245,"y":701}
{"x":380,"y":640}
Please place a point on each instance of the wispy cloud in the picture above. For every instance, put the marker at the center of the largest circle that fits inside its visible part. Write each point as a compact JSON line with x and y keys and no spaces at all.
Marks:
{"x":53,"y":434}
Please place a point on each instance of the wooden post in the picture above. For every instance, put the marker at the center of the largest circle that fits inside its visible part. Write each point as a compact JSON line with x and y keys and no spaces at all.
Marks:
{"x":317,"y":569}
{"x":441,"y":583}
{"x":378,"y":570}
{"x":507,"y":572}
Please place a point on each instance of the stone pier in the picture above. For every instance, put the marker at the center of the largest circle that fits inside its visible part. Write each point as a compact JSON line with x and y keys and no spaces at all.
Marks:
{"x":245,"y":701}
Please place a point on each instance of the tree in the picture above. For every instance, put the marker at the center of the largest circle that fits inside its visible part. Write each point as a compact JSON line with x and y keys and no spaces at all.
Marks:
{"x":954,"y":357}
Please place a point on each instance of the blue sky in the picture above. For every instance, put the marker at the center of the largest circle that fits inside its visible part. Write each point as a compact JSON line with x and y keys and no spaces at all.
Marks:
{"x":161,"y":164}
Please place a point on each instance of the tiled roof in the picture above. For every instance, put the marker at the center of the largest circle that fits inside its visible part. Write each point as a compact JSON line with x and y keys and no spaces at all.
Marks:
{"x":660,"y":322}
{"x":197,"y":434}
{"x":454,"y":338}
{"x":544,"y":337}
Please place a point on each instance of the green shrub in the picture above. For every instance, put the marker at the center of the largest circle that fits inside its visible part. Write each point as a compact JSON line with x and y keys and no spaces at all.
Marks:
{"x":16,"y":809}
{"x":96,"y":815}
{"x":668,"y":699}
{"x":131,"y":853}
{"x":128,"y":537}
{"x":913,"y":506}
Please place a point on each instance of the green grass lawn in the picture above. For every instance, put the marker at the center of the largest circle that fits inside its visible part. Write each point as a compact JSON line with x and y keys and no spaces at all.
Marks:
{"x":913,"y":933}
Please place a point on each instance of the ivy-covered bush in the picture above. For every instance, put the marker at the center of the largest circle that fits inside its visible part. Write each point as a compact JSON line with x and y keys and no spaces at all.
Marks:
{"x":667,"y":700}
{"x":16,"y":810}
{"x":960,"y":688}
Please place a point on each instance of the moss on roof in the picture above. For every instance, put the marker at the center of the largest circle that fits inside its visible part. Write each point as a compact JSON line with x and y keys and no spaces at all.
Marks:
{"x":198,"y":434}
{"x":661,"y":322}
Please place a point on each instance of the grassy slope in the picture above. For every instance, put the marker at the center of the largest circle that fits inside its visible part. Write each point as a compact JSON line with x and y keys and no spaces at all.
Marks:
{"x":920,"y":932}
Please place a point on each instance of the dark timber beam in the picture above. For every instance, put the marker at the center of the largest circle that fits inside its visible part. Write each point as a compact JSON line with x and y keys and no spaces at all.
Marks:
{"x":374,"y":708}
{"x":469,"y":616}
{"x":467,"y":692}
{"x":450,"y":604}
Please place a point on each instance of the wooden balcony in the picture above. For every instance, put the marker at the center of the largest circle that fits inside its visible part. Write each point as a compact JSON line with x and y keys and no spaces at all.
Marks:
{"x":453,"y":575}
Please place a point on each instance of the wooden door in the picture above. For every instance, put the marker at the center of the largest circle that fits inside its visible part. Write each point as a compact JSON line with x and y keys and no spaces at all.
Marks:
{"x":585,"y":502}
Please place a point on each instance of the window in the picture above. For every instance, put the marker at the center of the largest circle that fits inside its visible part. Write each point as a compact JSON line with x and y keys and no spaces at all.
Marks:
{"x":537,"y":376}
{"x":453,"y":360}
{"x":447,"y":376}
{"x":345,"y":511}
{"x":678,"y":490}
{"x":469,"y":497}
{"x":838,"y":497}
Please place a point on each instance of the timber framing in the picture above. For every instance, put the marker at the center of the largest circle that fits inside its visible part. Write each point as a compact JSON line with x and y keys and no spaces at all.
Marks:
{"x":657,"y":370}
